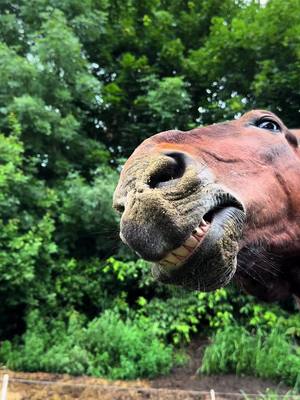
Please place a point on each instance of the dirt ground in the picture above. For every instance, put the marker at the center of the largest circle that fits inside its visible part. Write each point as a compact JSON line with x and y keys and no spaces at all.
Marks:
{"x":182,"y":384}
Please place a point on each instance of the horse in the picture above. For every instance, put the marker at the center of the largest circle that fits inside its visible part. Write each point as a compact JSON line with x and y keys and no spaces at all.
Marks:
{"x":216,"y":204}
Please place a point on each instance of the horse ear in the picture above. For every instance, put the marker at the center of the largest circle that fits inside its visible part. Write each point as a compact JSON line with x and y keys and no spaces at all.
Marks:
{"x":292,"y":139}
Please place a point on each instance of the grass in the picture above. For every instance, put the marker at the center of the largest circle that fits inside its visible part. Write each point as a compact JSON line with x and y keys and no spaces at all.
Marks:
{"x":271,"y":395}
{"x":265,"y":355}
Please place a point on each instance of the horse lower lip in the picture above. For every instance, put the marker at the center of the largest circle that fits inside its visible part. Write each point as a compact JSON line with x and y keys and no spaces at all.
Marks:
{"x":212,"y":264}
{"x":179,"y":256}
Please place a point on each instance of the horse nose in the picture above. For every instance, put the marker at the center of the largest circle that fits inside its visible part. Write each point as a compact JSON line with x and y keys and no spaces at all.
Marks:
{"x":168,"y":171}
{"x":162,"y":170}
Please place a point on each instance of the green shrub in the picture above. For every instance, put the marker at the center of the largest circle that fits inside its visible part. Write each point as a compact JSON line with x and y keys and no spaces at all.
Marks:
{"x":183,"y":313}
{"x":130,"y":350}
{"x":267,"y":355}
{"x":107,"y":346}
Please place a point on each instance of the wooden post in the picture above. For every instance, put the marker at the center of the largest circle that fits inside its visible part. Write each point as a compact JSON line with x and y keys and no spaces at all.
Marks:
{"x":4,"y":387}
{"x":212,"y":394}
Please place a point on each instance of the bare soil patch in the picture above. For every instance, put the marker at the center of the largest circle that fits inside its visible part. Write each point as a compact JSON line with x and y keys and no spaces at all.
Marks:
{"x":41,"y":386}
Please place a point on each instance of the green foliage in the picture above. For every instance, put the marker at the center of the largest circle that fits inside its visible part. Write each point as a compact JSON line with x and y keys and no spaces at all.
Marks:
{"x":271,"y":355}
{"x":267,"y":317}
{"x":185,"y":313}
{"x":181,"y":314}
{"x":272,"y":395}
{"x":106,"y":346}
{"x":86,"y":214}
{"x":93,"y":286}
{"x":167,"y":102}
{"x":82,"y":83}
{"x":244,"y":70}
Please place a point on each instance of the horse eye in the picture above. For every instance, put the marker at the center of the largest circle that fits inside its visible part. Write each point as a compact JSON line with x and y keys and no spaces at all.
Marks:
{"x":269,"y":125}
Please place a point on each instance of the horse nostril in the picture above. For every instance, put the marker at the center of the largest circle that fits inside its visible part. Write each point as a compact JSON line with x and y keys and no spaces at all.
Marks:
{"x":173,"y":168}
{"x":120,"y":208}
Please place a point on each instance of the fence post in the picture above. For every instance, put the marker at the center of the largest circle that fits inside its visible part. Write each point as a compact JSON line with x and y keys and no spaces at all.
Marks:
{"x":212,"y":394}
{"x":4,"y":387}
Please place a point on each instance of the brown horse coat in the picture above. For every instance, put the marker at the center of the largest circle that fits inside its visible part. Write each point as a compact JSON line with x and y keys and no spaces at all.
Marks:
{"x":217,"y":203}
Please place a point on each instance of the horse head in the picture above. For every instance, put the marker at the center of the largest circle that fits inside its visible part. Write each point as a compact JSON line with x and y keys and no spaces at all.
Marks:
{"x":217,"y":203}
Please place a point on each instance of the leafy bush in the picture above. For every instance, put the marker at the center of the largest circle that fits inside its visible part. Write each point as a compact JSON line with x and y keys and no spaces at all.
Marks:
{"x":106,"y":346}
{"x":271,"y":355}
{"x":184,"y":313}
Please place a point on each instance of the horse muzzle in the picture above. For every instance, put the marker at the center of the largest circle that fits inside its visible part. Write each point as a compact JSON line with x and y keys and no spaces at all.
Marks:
{"x":177,"y":216}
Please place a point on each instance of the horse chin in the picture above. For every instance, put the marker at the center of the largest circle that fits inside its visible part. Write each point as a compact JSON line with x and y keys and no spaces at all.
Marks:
{"x":213,"y":263}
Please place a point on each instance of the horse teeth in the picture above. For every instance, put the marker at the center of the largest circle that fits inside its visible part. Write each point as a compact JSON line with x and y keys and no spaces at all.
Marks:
{"x":178,"y":255}
{"x":191,"y":242}
{"x":164,"y":263}
{"x":198,"y":231}
{"x":203,"y":229}
{"x":182,"y":251}
{"x":171,"y":258}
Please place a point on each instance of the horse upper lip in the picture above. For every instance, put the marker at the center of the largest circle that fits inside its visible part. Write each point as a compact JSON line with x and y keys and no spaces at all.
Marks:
{"x":228,"y":200}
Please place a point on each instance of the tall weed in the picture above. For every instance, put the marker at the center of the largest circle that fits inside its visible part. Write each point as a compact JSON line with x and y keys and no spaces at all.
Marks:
{"x":267,"y":355}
